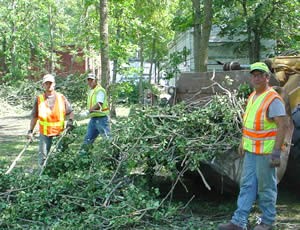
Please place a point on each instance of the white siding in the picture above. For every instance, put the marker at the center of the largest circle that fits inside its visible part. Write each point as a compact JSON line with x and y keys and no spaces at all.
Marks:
{"x":221,"y":49}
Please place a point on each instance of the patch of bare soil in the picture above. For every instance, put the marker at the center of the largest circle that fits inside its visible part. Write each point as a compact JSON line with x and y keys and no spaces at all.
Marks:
{"x":14,"y":121}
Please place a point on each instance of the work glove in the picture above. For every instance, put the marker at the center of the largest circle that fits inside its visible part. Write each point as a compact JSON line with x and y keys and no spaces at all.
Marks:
{"x":70,"y":126}
{"x":275,"y":158}
{"x":30,"y":135}
{"x":84,"y":114}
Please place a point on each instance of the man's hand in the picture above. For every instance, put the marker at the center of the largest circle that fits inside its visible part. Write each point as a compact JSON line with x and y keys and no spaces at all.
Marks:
{"x":275,"y":158}
{"x":30,"y":135}
{"x":241,"y":150}
{"x":70,"y":125}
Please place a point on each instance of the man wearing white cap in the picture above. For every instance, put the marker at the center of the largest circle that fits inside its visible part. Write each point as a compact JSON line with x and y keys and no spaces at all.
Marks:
{"x":98,"y":111}
{"x":51,"y":109}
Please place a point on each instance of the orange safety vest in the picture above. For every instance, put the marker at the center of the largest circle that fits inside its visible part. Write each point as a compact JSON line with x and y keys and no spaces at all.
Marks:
{"x":51,"y":121}
{"x":259,"y":133}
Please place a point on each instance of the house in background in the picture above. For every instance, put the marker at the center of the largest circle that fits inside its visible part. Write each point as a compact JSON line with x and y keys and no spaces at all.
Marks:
{"x":220,"y":49}
{"x":70,"y":60}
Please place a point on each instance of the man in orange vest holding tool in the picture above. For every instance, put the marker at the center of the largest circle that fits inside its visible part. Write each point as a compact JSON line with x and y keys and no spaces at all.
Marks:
{"x":51,"y":109}
{"x":263,"y":137}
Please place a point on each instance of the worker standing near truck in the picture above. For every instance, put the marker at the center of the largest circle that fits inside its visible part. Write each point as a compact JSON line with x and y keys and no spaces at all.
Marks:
{"x":262,"y":141}
{"x":98,"y":111}
{"x":51,"y":109}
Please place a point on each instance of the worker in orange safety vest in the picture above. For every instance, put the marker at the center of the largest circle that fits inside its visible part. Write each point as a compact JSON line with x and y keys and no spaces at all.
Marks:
{"x":264,"y":127}
{"x":51,"y":109}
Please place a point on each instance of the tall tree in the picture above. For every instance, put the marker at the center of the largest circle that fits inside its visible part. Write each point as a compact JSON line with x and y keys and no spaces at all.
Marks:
{"x":206,"y":29}
{"x":202,"y":29}
{"x":51,"y":34}
{"x":197,"y":34}
{"x":270,"y":19}
{"x":105,"y":66}
{"x":13,"y":35}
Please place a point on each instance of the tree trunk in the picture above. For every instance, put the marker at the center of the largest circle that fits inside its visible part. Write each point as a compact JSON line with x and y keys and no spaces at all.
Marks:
{"x":151,"y":59}
{"x":4,"y":56}
{"x":51,"y":28}
{"x":155,"y":73}
{"x":13,"y":39}
{"x":206,"y":29}
{"x":141,"y":91}
{"x":197,"y":34}
{"x":249,"y":37}
{"x":105,"y":68}
{"x":113,"y":112}
{"x":256,"y":47}
{"x":158,"y":72}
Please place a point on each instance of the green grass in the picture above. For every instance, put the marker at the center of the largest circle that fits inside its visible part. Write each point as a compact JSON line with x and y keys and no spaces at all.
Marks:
{"x":10,"y":150}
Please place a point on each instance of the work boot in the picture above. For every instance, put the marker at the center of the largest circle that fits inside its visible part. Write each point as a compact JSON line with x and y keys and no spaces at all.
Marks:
{"x":84,"y":149}
{"x":229,"y":226}
{"x":263,"y":226}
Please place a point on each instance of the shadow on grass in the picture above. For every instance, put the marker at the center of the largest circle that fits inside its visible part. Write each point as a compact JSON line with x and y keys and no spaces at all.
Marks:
{"x":11,"y":149}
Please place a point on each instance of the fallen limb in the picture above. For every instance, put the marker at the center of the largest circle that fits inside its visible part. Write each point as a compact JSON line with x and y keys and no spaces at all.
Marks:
{"x":203,"y":179}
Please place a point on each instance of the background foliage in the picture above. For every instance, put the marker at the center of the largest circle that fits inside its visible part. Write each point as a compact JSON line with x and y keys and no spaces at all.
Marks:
{"x":32,"y":31}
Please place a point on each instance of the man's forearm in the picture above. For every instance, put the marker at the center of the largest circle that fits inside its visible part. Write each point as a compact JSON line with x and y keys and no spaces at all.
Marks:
{"x":33,"y":123}
{"x":281,"y":130}
{"x":96,"y":107}
{"x":71,"y":115}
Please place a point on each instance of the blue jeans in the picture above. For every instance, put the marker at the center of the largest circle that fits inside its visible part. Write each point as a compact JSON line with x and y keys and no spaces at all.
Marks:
{"x":96,"y":126}
{"x":259,"y":182}
{"x":45,"y":145}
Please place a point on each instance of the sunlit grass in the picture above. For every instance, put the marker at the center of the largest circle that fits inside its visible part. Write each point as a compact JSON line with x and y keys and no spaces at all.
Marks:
{"x":10,"y":150}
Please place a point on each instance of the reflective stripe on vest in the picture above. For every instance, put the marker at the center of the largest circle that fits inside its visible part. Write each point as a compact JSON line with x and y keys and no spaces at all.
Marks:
{"x":92,"y":100}
{"x":259,"y":133}
{"x":51,"y":121}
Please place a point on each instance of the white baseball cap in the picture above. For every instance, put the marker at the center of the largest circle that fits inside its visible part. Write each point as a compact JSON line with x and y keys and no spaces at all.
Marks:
{"x":48,"y":77}
{"x":91,"y":76}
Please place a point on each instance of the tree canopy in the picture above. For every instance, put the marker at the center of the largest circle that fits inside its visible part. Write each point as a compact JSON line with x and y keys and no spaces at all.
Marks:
{"x":32,"y":31}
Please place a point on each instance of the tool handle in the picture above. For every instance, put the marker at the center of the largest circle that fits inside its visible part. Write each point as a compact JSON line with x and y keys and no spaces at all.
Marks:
{"x":52,"y":150}
{"x":18,"y":157}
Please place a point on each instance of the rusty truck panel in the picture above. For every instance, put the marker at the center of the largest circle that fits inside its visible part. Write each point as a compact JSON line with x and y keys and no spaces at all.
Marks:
{"x":191,"y":85}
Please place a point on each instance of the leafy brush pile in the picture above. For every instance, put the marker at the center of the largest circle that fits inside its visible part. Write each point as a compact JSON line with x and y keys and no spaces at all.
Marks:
{"x":79,"y":192}
{"x":158,"y":138}
{"x":22,"y":93}
{"x":112,"y":186}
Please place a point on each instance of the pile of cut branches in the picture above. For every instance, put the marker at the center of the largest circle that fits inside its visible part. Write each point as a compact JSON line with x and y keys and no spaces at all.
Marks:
{"x":166,"y":139}
{"x":79,"y":192}
{"x":112,"y":186}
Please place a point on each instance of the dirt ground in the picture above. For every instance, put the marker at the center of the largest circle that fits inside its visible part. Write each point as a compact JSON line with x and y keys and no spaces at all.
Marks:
{"x":14,"y":124}
{"x":14,"y":121}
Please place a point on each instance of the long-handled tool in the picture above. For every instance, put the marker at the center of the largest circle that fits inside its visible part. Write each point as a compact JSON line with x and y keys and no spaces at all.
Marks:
{"x":52,"y":150}
{"x":19,"y":156}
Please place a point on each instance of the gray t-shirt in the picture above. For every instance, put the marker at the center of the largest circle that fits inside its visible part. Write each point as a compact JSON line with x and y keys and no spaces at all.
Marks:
{"x":99,"y":97}
{"x":276,"y":109}
{"x":50,"y":100}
